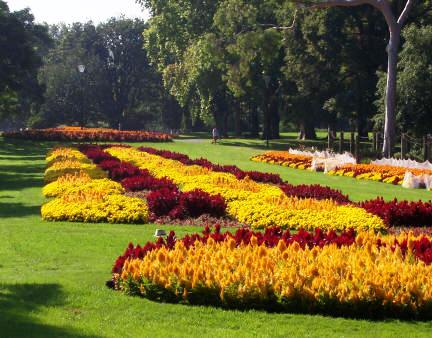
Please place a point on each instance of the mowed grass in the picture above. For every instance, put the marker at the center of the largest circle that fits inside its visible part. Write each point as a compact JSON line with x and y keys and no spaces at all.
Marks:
{"x":52,"y":275}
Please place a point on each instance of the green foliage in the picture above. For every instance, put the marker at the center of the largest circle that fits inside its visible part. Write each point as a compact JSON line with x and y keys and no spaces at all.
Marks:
{"x":118,"y":88}
{"x":22,"y":45}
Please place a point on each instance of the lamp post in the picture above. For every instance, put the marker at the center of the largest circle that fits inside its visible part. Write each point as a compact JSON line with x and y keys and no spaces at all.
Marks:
{"x":81,"y":71}
{"x":267,"y":117}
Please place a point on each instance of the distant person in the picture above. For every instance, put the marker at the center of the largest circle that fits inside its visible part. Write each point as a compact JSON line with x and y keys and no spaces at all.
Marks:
{"x":215,"y":133}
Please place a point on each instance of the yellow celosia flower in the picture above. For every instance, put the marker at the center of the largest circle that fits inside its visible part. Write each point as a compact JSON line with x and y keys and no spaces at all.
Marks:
{"x":350,"y":274}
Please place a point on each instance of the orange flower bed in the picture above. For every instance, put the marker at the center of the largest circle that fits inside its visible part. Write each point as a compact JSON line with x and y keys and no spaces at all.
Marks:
{"x":285,"y":159}
{"x":89,"y":134}
{"x":375,"y":172}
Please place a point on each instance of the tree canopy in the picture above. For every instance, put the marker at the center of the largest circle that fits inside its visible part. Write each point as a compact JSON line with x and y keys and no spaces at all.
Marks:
{"x":248,"y":67}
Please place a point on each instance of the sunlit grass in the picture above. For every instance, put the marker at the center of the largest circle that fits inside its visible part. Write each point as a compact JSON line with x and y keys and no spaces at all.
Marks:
{"x":52,"y":275}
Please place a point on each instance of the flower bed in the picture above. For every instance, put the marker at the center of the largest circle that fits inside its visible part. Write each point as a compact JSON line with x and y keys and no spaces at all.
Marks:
{"x":164,"y":198}
{"x":401,"y":214}
{"x":257,"y":204}
{"x":376,"y":276}
{"x":177,"y":192}
{"x":301,"y":191}
{"x":375,"y":172}
{"x":285,"y":159}
{"x":82,"y":193}
{"x":232,"y":169}
{"x":315,"y":191}
{"x":89,"y":134}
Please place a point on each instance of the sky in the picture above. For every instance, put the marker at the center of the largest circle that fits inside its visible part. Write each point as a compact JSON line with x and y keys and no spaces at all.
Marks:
{"x":68,"y":11}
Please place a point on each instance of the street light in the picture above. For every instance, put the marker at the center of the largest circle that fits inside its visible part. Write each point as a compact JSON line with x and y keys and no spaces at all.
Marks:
{"x":81,"y":70}
{"x":267,"y":80}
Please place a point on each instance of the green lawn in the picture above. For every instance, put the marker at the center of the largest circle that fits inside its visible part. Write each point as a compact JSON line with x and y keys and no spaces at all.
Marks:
{"x":52,"y":275}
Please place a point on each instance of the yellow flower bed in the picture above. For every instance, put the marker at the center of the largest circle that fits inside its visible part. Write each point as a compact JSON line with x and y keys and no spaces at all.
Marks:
{"x":329,"y":278}
{"x":61,"y":154}
{"x":72,"y":166}
{"x":83,"y":194}
{"x":329,"y":216}
{"x":94,"y":208}
{"x":64,"y":183}
{"x":285,"y":159}
{"x":257,"y":204}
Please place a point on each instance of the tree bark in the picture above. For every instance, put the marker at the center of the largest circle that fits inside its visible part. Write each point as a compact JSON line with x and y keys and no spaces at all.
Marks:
{"x":274,"y":118}
{"x":390,"y":97}
{"x":307,"y":131}
{"x":254,"y":121}
{"x":237,"y":119}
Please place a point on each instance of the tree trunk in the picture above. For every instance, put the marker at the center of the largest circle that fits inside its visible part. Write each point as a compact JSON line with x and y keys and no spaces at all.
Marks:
{"x":237,"y":119}
{"x":266,"y":125}
{"x":254,"y":122}
{"x":390,"y":98}
{"x":274,"y":118}
{"x":307,"y":131}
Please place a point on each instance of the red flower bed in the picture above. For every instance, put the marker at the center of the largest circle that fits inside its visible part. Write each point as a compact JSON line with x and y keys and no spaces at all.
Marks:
{"x":197,"y":202}
{"x":178,"y":205}
{"x":403,"y":213}
{"x":98,"y":156}
{"x":147,"y":182}
{"x":254,"y":175}
{"x":315,"y":191}
{"x":162,"y":201}
{"x":120,"y":170}
{"x":89,"y":134}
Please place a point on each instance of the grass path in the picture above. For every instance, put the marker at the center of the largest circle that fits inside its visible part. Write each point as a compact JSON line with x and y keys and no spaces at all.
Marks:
{"x":52,"y":275}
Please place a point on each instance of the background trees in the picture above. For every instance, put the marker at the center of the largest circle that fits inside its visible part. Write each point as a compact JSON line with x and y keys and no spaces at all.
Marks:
{"x":22,"y":46}
{"x":248,"y":67}
{"x":119,"y":88}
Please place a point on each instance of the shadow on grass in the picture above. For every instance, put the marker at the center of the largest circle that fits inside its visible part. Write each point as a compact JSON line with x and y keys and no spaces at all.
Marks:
{"x":19,"y":301}
{"x":280,"y":144}
{"x":25,"y":148}
{"x":19,"y":182}
{"x":22,"y":176}
{"x":10,"y":210}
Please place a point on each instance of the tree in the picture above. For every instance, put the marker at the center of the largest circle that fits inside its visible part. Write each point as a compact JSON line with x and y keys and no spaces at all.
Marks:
{"x":414,"y":108}
{"x":395,"y":24}
{"x":179,"y":44}
{"x":254,"y":56}
{"x":22,"y":46}
{"x":118,"y":88}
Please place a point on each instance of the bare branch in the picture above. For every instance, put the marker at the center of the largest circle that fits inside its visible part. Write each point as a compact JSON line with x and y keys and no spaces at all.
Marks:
{"x":282,"y":27}
{"x":404,"y":15}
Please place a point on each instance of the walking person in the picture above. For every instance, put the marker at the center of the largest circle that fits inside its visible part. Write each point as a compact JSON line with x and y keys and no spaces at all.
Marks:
{"x":215,"y":133}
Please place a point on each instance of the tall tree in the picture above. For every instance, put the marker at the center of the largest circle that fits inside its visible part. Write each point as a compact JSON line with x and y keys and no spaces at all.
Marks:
{"x":22,"y":46}
{"x":414,"y":108}
{"x":395,"y":21}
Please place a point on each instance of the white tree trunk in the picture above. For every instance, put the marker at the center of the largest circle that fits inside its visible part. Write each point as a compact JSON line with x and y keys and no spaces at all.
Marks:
{"x":390,"y":95}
